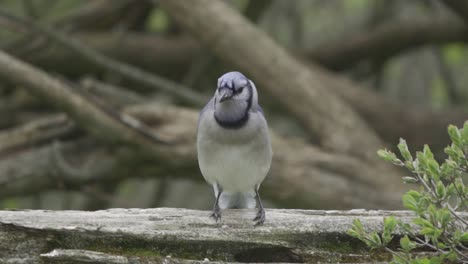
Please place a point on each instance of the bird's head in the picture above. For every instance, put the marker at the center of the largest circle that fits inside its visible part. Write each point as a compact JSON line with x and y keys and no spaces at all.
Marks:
{"x":234,"y":98}
{"x":233,"y":86}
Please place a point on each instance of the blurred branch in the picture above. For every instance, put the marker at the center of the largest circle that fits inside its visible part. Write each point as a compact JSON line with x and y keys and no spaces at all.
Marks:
{"x":256,"y":8}
{"x":387,"y":40}
{"x":295,"y":86}
{"x":114,"y":95}
{"x":205,"y":60}
{"x":110,"y":64}
{"x":29,"y":8}
{"x":417,"y":124}
{"x":35,"y":132}
{"x":313,"y":176}
{"x":165,"y":55}
{"x":81,"y":18}
{"x":96,"y":15}
{"x":459,"y":7}
{"x":86,"y":114}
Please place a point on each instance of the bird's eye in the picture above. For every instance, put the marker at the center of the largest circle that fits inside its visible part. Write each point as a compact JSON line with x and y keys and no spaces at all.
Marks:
{"x":240,"y":89}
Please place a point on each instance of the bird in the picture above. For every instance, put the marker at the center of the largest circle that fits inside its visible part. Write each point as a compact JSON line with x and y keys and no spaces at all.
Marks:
{"x":233,"y":145}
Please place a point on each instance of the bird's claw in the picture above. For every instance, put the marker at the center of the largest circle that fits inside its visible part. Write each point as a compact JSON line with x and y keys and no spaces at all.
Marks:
{"x":216,"y":215}
{"x":260,"y":218}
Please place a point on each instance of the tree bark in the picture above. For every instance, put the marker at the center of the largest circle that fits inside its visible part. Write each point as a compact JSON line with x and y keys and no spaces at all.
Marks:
{"x":167,"y":235}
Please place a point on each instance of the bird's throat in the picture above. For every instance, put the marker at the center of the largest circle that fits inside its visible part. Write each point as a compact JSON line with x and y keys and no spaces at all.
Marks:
{"x":231,"y":115}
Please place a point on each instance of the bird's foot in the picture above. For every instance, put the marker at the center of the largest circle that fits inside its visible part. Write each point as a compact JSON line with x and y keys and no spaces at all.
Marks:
{"x":260,"y":218}
{"x":216,"y":214}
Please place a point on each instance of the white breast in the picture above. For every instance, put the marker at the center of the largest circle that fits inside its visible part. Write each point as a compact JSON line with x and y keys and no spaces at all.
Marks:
{"x":236,"y":159}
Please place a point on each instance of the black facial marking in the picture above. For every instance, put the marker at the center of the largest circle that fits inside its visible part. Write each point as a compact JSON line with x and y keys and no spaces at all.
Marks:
{"x":238,"y":123}
{"x":249,"y":99}
{"x":233,"y":124}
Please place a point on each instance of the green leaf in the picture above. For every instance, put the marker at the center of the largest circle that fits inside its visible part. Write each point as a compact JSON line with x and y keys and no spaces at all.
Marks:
{"x":387,"y":155}
{"x":376,"y":240}
{"x":464,"y":237}
{"x":354,"y":233}
{"x":427,"y":231}
{"x":427,"y":152}
{"x":357,"y":225}
{"x":440,"y":190}
{"x":455,"y":135}
{"x":456,"y":236}
{"x":447,"y":169}
{"x":445,"y":217}
{"x":441,"y":245}
{"x":464,"y":133}
{"x":409,"y":202}
{"x":452,"y":256}
{"x":389,"y":226}
{"x":455,"y":153}
{"x":404,"y":151}
{"x":422,"y":222}
{"x":433,"y":169}
{"x":405,"y":227}
{"x":406,"y":244}
{"x":436,"y":260}
{"x":451,"y":190}
{"x":422,"y":160}
{"x":459,"y":185}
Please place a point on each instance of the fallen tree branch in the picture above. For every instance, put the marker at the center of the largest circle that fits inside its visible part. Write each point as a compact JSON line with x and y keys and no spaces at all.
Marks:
{"x":114,"y":95}
{"x":165,"y":55}
{"x":419,"y":125}
{"x":164,"y":235}
{"x":110,"y":64}
{"x":336,"y":126}
{"x":392,"y":120}
{"x":33,"y":133}
{"x":313,"y":176}
{"x":173,"y":55}
{"x":86,"y":114}
{"x":387,"y":40}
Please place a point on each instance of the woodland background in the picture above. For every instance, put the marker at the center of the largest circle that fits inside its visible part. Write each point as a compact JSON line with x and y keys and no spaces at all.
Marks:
{"x":99,"y":98}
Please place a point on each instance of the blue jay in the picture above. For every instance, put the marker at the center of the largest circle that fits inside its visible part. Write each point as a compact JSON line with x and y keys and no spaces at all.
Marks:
{"x":233,"y":145}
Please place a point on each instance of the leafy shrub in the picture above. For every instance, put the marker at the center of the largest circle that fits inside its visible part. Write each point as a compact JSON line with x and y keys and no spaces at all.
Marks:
{"x":440,"y":196}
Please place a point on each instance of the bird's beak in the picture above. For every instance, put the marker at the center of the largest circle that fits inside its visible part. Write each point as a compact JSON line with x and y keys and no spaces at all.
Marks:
{"x":225,"y":94}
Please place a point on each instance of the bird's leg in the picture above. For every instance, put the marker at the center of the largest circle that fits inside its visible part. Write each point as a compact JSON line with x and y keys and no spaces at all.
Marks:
{"x":216,"y":214}
{"x":260,"y":218}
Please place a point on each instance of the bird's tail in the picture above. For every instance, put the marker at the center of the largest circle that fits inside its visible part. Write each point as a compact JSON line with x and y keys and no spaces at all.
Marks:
{"x":237,"y":200}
